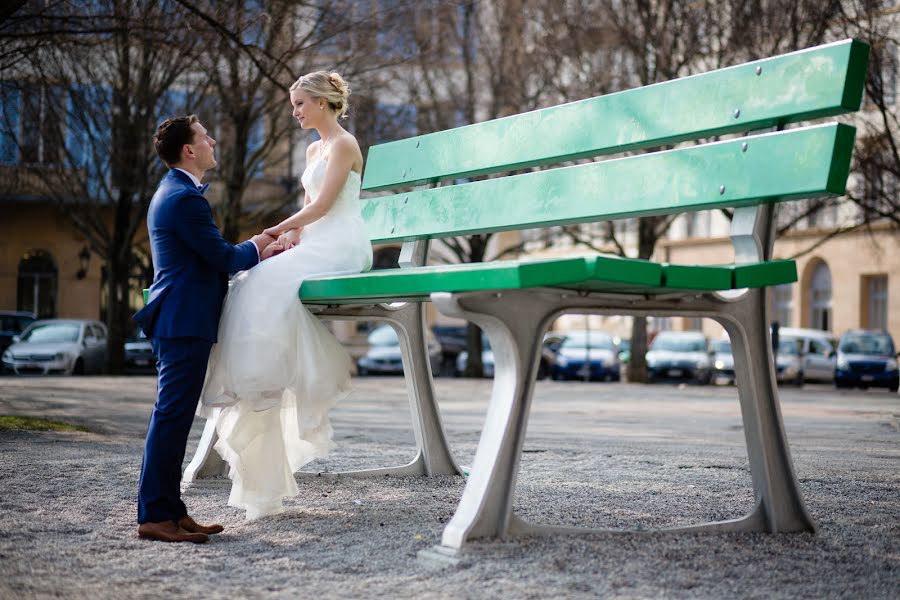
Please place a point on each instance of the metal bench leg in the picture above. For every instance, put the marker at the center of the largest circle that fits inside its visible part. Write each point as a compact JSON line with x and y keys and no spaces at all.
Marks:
{"x":775,"y":485}
{"x":515,"y":329}
{"x":433,"y":455}
{"x":206,"y":462}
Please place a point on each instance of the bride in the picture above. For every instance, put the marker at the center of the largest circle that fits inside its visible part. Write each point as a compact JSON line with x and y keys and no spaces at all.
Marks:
{"x":276,"y":369}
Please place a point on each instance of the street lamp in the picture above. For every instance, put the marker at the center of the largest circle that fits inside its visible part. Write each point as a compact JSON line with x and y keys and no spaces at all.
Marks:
{"x":84,"y":257}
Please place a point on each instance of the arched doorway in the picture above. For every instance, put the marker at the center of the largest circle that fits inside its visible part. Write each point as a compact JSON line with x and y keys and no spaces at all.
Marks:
{"x":37,"y":284}
{"x":820,"y":297}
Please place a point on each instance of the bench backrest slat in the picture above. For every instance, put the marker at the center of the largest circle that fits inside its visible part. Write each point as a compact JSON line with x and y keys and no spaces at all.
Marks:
{"x":807,"y":162}
{"x":817,"y":82}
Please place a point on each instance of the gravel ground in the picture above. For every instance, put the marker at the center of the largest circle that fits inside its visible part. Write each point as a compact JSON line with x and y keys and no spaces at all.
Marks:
{"x":601,"y":455}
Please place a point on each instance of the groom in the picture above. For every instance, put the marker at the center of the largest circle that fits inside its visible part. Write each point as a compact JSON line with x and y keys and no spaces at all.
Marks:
{"x":191,"y":264}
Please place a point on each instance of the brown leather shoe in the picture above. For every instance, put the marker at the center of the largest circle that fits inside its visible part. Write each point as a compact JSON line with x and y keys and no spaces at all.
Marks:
{"x":190,"y":525}
{"x":168,"y":531}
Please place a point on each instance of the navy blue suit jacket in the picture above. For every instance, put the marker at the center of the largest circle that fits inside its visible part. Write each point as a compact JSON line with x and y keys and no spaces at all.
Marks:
{"x":191,"y":263}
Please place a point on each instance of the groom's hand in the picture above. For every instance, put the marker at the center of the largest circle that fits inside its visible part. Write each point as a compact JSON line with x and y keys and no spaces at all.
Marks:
{"x":271,"y":250}
{"x":262,"y":241}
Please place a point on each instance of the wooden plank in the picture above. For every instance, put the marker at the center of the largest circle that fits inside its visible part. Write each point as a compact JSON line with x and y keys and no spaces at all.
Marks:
{"x":422,"y":281}
{"x":801,"y":163}
{"x":812,"y":83}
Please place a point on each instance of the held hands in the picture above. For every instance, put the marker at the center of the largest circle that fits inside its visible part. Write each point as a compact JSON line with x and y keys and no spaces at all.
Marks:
{"x":271,"y":250}
{"x":266,"y":245}
{"x":274,"y":231}
{"x":261,"y":240}
{"x":289,"y":238}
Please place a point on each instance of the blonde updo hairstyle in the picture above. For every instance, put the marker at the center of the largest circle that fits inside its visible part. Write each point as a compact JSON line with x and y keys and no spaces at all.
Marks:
{"x":330,"y":86}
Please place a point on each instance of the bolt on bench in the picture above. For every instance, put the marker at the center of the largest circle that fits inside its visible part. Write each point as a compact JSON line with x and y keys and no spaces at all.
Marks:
{"x":515,"y":301}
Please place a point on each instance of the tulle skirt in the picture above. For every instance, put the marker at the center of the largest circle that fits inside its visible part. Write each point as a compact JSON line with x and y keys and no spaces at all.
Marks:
{"x":277,"y":370}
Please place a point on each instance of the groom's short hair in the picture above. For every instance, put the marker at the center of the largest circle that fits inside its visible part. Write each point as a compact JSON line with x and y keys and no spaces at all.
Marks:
{"x":171,"y":137}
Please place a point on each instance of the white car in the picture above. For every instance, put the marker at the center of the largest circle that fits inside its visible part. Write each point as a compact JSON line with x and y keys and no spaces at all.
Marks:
{"x":805,"y":355}
{"x":58,"y":347}
{"x":679,"y":355}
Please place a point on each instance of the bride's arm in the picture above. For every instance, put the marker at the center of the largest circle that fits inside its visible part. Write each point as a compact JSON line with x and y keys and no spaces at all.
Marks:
{"x":343,"y":154}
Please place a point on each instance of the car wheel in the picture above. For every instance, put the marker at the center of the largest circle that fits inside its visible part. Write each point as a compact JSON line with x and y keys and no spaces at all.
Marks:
{"x":78,"y":369}
{"x":362,"y":371}
{"x":894,"y":388}
{"x":543,"y":369}
{"x":798,"y":381}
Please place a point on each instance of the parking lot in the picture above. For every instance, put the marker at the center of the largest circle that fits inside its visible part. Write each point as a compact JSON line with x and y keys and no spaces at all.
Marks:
{"x":597,"y":454}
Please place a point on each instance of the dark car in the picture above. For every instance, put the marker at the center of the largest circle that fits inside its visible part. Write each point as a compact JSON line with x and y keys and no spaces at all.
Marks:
{"x":13,"y":323}
{"x":587,"y":355}
{"x":866,"y":359}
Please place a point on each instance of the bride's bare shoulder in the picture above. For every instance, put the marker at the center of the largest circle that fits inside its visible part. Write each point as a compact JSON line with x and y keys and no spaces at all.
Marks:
{"x":313,"y":148}
{"x":347,"y":145}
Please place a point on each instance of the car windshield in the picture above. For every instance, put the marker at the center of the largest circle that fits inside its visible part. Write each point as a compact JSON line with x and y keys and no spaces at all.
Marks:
{"x":722,"y":346}
{"x":788,"y":346}
{"x":14,"y":323}
{"x":867,"y":344}
{"x":677,"y":344}
{"x":579,"y":340}
{"x":384,"y":336}
{"x":52,"y":332}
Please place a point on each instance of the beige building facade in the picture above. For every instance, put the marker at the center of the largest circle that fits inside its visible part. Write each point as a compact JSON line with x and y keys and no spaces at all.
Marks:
{"x":850,"y":281}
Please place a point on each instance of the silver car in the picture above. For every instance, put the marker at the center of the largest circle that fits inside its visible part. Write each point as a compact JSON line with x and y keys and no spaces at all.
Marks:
{"x":58,"y":347}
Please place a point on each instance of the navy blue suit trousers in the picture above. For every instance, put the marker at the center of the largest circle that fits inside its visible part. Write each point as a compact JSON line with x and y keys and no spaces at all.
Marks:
{"x":181,"y":363}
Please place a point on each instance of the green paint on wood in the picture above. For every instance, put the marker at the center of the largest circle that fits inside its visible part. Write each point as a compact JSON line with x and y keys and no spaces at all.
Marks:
{"x":812,"y":83}
{"x":802,"y":163}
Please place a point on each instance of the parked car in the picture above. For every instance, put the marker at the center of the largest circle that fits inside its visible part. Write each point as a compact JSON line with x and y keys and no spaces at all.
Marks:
{"x":804,"y":355}
{"x":866,"y":359}
{"x":680,"y":355}
{"x":722,"y":361}
{"x":13,"y":323}
{"x":139,"y":357}
{"x":384,"y":356}
{"x":58,"y":346}
{"x":587,"y":354}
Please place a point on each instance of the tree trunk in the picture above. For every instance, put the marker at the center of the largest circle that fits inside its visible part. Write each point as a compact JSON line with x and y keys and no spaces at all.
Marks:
{"x":475,"y":366}
{"x":637,"y":364}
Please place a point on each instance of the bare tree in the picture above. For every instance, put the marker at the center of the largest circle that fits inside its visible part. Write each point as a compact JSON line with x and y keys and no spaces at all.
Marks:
{"x":877,"y":158}
{"x":91,"y":80}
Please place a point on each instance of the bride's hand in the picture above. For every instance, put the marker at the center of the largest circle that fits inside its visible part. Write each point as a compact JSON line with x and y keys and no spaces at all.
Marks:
{"x":290,"y":238}
{"x":275,"y":231}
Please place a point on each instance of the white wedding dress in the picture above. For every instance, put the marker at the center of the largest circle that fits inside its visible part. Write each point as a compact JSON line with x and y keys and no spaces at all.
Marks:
{"x":276,"y":369}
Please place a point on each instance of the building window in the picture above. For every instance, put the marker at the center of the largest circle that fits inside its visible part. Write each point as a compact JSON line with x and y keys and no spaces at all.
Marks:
{"x":37,"y":284}
{"x":875,"y":301}
{"x":820,"y":298}
{"x":782,"y":307}
{"x":41,"y":130}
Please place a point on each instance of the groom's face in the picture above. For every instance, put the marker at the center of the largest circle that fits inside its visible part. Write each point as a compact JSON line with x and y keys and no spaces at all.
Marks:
{"x":203,"y":147}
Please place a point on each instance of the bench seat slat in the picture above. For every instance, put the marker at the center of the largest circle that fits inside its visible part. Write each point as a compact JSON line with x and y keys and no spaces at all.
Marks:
{"x":812,"y":83}
{"x":808,"y":162}
{"x":590,"y":273}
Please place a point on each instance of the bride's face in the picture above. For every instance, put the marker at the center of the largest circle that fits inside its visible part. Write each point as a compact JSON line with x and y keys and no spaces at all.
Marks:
{"x":306,"y":109}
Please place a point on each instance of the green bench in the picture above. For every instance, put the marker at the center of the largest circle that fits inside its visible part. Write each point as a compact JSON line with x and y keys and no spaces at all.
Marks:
{"x":515,"y":301}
